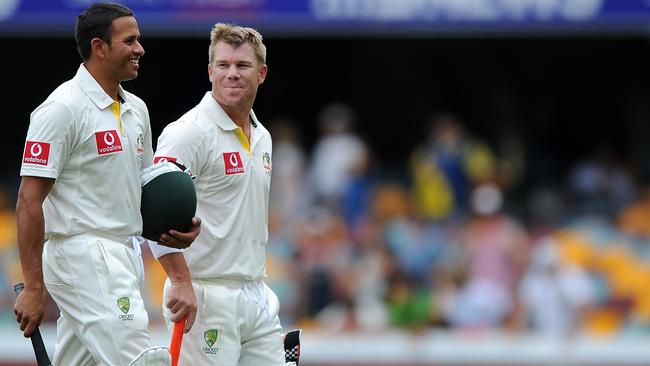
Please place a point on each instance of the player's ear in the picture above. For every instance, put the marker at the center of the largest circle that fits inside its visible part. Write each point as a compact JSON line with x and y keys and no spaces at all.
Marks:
{"x":262,"y":74}
{"x":98,"y":47}
{"x":210,"y":72}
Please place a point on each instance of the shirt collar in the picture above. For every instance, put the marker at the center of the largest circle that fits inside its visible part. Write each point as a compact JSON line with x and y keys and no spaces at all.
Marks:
{"x":94,"y":91}
{"x":214,"y":111}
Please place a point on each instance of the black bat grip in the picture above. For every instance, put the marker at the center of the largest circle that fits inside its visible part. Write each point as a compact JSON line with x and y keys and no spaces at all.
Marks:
{"x":42,"y":359}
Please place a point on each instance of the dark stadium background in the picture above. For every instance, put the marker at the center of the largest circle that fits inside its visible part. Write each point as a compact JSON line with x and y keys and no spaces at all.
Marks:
{"x":565,"y":96}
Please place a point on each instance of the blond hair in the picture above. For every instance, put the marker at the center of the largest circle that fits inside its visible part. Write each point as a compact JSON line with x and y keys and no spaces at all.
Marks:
{"x":236,"y":36}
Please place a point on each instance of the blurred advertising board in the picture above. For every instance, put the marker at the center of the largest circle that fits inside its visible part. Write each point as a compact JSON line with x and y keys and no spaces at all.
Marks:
{"x":342,"y":17}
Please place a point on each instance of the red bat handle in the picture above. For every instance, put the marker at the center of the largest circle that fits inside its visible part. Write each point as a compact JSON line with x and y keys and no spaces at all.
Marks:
{"x":177,"y":340}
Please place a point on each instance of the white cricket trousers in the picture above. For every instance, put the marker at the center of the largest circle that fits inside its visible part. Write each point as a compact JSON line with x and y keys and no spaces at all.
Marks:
{"x":94,"y":281}
{"x":237,"y":324}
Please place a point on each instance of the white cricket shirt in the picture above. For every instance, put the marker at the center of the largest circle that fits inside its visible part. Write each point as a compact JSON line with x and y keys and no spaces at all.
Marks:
{"x":232,"y":186}
{"x":76,"y":137}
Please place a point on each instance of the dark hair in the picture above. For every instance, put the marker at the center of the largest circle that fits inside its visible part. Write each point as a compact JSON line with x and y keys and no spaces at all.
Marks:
{"x":97,"y":22}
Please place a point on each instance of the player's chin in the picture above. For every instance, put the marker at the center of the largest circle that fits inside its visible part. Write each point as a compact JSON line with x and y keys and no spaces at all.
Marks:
{"x":131,"y":72}
{"x":131,"y":75}
{"x":235,"y":99}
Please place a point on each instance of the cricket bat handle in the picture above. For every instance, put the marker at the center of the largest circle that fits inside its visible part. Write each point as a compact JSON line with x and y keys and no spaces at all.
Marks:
{"x":177,"y":340}
{"x":42,"y":359}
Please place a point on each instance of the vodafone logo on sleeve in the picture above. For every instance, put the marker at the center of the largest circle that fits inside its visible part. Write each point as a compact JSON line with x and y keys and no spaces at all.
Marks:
{"x":108,"y":142}
{"x":36,"y":153}
{"x":233,"y":163}
{"x":163,"y":159}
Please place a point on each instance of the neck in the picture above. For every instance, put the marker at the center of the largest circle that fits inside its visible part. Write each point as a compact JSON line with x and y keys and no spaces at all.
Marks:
{"x":111,"y":87}
{"x":239,"y":115}
{"x":244,"y":123}
{"x":241,"y":119}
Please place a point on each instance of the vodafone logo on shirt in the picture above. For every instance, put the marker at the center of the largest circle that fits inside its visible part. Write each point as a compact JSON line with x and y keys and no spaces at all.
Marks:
{"x":233,"y":163}
{"x":163,"y":159}
{"x":108,"y":142}
{"x":36,"y":153}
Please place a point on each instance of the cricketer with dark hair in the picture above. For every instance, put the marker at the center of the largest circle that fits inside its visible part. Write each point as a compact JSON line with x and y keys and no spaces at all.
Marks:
{"x":78,"y":207}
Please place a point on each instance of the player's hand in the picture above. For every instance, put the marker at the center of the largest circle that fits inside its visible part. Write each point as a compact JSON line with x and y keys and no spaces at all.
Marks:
{"x":176,"y":239}
{"x":28,"y":309}
{"x":181,"y":302}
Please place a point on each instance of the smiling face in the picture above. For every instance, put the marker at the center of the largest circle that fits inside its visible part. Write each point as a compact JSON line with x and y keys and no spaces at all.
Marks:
{"x":235,"y":74}
{"x":124,"y":52}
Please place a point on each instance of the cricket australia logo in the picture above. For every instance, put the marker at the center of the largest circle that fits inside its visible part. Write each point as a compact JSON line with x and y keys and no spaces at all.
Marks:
{"x":140,"y":146}
{"x":125,"y":305}
{"x":210,"y":336}
{"x":266,"y":162}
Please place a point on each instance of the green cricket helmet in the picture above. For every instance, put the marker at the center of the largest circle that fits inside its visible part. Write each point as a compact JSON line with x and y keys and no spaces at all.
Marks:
{"x":168,"y":199}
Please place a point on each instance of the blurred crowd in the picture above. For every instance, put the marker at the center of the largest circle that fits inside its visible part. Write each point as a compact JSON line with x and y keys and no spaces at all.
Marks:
{"x":449,"y":242}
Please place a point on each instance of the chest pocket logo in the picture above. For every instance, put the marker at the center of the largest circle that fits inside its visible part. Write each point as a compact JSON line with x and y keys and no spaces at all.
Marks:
{"x":233,"y":163}
{"x":108,"y":142}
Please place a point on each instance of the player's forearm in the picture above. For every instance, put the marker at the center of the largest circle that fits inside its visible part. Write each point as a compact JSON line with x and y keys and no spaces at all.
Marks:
{"x":176,"y":267}
{"x":30,"y":235}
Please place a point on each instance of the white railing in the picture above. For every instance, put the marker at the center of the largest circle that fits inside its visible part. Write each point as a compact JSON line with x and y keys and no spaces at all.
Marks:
{"x":397,"y":348}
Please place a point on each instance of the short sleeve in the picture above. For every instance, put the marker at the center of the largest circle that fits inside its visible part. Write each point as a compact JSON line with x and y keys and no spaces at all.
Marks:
{"x":50,"y":138}
{"x":181,"y":142}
